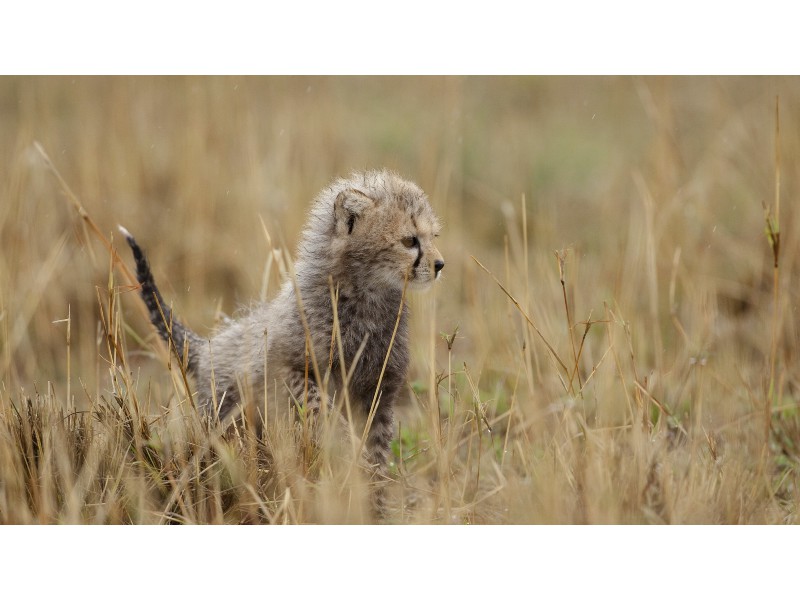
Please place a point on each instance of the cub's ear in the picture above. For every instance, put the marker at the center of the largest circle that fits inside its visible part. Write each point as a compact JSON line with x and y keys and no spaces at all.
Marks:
{"x":348,"y":206}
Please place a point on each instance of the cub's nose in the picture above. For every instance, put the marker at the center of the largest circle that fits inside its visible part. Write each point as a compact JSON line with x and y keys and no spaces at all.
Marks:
{"x":438,"y":265}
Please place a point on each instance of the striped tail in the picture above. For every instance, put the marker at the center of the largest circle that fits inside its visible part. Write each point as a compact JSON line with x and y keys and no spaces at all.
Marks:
{"x":183,"y":342}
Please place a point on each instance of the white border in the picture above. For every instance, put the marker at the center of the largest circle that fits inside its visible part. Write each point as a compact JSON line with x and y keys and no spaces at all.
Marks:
{"x":386,"y":562}
{"x":413,"y":37}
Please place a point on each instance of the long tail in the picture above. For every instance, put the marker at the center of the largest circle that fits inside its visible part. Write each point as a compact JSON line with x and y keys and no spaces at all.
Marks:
{"x":184,"y":343}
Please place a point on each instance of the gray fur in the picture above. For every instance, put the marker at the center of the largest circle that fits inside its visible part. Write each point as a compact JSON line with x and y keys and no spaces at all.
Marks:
{"x":370,"y":235}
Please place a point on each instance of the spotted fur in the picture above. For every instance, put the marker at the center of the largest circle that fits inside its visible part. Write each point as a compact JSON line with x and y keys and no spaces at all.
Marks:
{"x":371,"y":236}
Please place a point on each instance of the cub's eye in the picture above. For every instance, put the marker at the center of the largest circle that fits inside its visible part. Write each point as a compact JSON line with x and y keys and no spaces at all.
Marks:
{"x":410,"y":242}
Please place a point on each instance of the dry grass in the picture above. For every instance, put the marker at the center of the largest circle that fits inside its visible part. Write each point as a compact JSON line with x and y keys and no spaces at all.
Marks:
{"x":644,"y":373}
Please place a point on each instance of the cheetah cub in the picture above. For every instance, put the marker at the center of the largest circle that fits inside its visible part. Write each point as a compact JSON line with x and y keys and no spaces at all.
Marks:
{"x":368,"y":238}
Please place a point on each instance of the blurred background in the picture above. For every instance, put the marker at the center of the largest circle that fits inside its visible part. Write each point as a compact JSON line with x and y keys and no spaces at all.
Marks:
{"x":621,"y":171}
{"x":652,"y":191}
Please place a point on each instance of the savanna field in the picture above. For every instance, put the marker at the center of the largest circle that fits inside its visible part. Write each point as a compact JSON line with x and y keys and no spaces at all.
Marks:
{"x":613,"y":338}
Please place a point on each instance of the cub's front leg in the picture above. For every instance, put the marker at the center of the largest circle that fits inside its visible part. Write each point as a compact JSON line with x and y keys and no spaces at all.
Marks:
{"x":378,"y":447}
{"x":374,"y":455}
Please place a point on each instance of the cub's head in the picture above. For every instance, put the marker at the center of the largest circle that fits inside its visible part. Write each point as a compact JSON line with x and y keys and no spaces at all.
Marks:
{"x":382,"y":231}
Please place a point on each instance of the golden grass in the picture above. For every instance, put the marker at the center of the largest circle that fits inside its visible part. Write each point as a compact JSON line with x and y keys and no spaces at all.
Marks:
{"x":644,"y":373}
